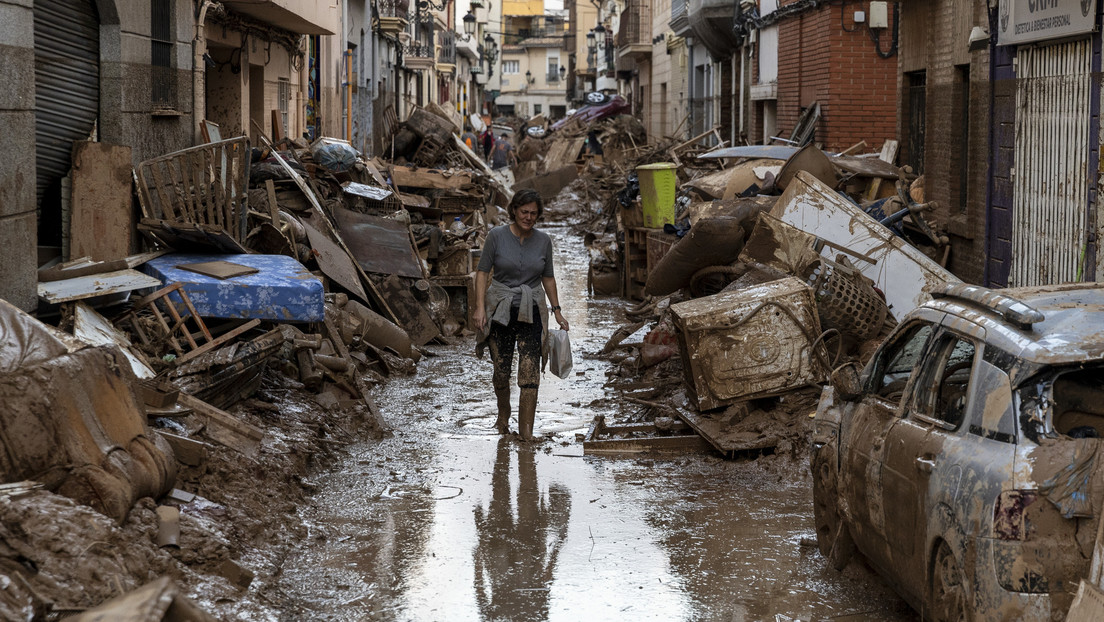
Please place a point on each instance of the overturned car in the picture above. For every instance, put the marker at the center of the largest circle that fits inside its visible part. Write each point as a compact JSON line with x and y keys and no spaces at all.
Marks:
{"x":962,"y":462}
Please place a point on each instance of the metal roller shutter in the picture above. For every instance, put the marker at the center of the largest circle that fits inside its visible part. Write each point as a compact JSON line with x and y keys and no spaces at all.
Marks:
{"x":67,"y":82}
{"x":1051,"y":185}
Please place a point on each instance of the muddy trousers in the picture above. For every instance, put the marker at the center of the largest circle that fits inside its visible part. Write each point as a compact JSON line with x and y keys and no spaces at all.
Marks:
{"x":526,"y":339}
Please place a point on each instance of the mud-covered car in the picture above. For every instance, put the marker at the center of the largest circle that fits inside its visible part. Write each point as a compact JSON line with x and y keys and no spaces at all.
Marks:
{"x":961,"y":462}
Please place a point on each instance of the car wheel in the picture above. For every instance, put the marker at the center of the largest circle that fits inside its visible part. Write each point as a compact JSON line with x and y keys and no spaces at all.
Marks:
{"x":833,"y":537}
{"x":948,"y":588}
{"x":596,"y":97}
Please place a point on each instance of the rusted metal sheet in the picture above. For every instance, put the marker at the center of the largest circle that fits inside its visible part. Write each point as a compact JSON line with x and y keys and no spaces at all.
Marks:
{"x":603,"y":438}
{"x":898,"y":269}
{"x":753,"y":342}
{"x":335,"y":262}
{"x":1051,"y":183}
{"x":204,"y":185}
{"x":411,"y":315}
{"x":378,"y":244}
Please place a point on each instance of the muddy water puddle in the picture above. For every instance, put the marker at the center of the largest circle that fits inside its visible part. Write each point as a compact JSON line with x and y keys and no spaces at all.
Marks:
{"x":446,"y":520}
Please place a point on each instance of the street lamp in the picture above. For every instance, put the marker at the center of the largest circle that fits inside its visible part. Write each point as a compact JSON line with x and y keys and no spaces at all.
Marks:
{"x":469,"y":24}
{"x":590,"y":42}
{"x":528,"y":76}
{"x":563,"y":72}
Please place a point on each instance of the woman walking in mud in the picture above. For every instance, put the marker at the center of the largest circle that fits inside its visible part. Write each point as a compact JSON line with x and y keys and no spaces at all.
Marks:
{"x":512,"y":311}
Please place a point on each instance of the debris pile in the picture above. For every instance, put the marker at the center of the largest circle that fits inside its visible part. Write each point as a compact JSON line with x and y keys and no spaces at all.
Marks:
{"x":276,"y":285}
{"x":759,"y":270}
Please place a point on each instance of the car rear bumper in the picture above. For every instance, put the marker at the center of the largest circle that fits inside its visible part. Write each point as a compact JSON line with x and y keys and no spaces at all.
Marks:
{"x":995,"y":602}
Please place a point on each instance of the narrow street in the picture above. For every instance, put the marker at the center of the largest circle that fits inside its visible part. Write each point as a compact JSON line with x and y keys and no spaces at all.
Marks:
{"x":444,"y":519}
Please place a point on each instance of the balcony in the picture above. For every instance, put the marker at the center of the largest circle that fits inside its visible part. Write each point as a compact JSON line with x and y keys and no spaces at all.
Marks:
{"x":303,"y":17}
{"x":680,"y":20}
{"x":446,"y":51}
{"x":418,"y":56}
{"x":634,"y":36}
{"x":552,"y":77}
{"x":393,"y":16}
{"x":711,"y":22}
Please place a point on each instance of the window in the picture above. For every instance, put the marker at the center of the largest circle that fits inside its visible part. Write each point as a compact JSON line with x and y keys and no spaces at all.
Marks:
{"x":163,"y":91}
{"x":511,"y":67}
{"x":960,"y":125}
{"x":283,"y":96}
{"x":897,"y":360}
{"x":944,"y":386}
{"x":536,"y":108}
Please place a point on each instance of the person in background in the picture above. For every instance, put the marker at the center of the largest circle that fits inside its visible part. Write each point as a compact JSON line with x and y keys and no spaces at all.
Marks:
{"x":469,"y":138}
{"x":512,"y":311}
{"x":502,"y":155}
{"x":488,"y":143}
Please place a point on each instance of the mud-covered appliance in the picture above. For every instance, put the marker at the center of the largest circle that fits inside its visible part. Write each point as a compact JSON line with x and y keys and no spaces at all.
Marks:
{"x":749,"y":343}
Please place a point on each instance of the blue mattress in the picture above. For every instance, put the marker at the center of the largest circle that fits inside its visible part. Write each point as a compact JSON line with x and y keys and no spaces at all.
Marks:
{"x":283,"y":290}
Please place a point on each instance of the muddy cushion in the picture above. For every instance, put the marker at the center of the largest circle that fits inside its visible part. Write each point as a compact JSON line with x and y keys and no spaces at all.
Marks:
{"x":711,"y":242}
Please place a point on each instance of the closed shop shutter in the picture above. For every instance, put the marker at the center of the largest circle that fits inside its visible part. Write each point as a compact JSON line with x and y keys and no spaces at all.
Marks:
{"x":67,"y":83}
{"x":1051,"y":182}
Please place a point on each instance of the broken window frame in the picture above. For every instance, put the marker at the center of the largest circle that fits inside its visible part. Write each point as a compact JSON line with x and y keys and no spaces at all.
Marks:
{"x":927,"y":394}
{"x":876,"y":384}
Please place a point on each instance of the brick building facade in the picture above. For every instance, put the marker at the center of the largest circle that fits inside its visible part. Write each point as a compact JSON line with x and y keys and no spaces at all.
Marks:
{"x":823,"y":56}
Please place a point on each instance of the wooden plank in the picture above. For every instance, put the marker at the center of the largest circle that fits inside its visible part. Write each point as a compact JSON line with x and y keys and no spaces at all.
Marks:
{"x":188,"y":451}
{"x":102,"y":218}
{"x":218,"y":341}
{"x":218,"y":269}
{"x":225,"y":428}
{"x":889,"y":154}
{"x":273,"y":209}
{"x":277,"y":126}
{"x":95,"y":285}
{"x":165,"y":205}
{"x":627,"y":438}
{"x":335,"y":337}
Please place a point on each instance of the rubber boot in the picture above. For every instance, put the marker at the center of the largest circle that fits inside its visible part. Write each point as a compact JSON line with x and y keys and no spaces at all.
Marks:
{"x":502,"y":424}
{"x":527,"y":413}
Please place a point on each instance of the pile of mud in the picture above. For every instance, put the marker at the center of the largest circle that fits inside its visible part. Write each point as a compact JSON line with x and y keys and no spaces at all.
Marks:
{"x":58,"y":557}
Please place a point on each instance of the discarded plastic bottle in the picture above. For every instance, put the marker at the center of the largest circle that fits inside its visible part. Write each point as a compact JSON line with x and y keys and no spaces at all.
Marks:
{"x":457,"y":226}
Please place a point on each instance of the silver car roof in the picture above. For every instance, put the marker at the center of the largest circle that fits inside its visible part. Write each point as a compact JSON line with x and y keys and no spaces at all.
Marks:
{"x":1072,"y":331}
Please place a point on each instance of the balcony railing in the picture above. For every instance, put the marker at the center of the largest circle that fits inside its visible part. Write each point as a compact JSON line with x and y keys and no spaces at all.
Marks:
{"x":418,"y":50}
{"x":552,"y":76}
{"x":393,"y":8}
{"x":636,"y":24}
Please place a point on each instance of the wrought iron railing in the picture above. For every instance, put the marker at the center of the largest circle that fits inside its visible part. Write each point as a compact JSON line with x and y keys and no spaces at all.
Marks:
{"x":417,"y":49}
{"x":636,"y":24}
{"x":393,"y":8}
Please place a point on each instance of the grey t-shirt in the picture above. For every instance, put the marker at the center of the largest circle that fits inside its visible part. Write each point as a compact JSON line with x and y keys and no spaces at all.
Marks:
{"x":516,"y":263}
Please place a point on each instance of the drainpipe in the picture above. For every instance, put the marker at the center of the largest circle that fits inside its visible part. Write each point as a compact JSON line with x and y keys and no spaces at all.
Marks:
{"x":738,"y":128}
{"x":199,"y":71}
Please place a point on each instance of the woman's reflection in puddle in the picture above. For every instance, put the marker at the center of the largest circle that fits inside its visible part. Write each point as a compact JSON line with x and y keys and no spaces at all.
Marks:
{"x":519,"y":539}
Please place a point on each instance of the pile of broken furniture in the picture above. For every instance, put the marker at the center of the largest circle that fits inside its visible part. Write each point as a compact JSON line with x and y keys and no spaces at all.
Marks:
{"x":777,"y":268}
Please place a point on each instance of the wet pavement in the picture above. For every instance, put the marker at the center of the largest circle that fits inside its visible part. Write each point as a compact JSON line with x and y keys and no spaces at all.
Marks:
{"x":447,"y":520}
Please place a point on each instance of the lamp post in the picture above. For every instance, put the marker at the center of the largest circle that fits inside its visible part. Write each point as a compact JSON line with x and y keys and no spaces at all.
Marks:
{"x":563,"y":72}
{"x":469,"y":24}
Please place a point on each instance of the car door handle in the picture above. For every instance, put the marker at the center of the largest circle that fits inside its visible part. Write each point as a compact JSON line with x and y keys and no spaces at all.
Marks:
{"x":925,"y":464}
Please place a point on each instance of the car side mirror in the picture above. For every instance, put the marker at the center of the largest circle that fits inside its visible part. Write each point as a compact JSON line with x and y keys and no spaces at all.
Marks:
{"x":845,"y":380}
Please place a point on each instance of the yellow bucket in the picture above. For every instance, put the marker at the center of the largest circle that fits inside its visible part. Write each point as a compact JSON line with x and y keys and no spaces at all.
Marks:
{"x":657,"y":193}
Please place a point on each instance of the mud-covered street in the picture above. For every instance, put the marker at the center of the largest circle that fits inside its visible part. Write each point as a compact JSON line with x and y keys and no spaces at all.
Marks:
{"x":444,"y":519}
